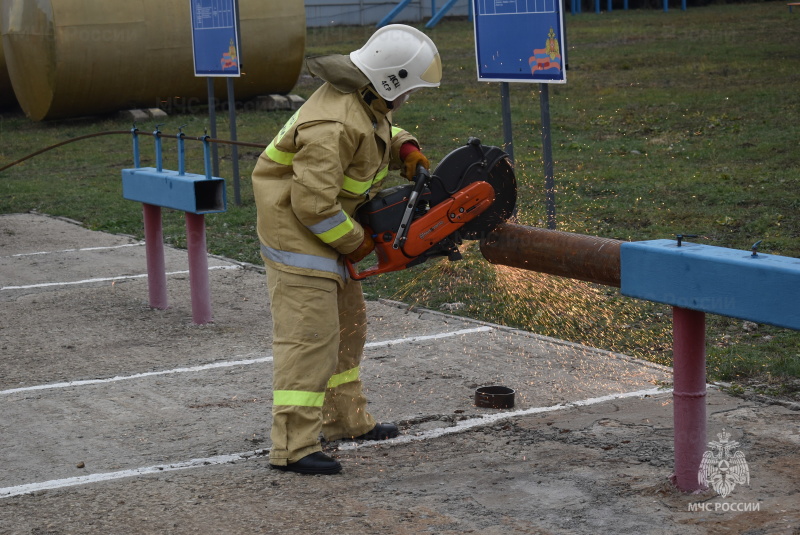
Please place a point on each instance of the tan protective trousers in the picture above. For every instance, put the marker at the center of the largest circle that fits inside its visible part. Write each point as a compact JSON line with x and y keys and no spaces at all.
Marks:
{"x":319,"y":331}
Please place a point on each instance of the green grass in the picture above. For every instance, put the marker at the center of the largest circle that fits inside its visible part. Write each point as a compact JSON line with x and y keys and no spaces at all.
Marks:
{"x":678,"y":122}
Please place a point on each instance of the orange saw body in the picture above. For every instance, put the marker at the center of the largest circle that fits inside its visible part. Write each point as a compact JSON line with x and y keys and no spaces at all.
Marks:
{"x":472,"y":190}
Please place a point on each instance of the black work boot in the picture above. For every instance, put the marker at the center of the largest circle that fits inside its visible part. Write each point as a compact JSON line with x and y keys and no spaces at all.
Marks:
{"x":380,"y":432}
{"x":313,"y":463}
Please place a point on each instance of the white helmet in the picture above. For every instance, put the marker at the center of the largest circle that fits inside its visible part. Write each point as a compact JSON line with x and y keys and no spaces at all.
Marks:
{"x":397,"y":59}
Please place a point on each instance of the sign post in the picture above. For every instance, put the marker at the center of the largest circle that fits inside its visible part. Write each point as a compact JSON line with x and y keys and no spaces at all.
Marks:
{"x":523,"y":41}
{"x":216,"y":49}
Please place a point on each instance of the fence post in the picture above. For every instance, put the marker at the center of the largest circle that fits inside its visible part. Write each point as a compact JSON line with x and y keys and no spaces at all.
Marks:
{"x":198,"y":268}
{"x":154,"y":253}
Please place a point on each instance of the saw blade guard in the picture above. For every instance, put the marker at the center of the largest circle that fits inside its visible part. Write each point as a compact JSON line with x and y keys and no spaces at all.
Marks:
{"x":475,"y":162}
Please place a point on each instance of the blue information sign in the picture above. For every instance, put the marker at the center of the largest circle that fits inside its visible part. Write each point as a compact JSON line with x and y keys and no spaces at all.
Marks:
{"x":519,"y":41}
{"x":215,"y":38}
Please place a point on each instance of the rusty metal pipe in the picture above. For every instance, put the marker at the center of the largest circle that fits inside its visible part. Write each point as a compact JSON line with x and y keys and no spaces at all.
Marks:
{"x":575,"y":256}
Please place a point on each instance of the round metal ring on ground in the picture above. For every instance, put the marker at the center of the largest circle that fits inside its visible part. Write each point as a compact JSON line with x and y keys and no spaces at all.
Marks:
{"x":494,"y":397}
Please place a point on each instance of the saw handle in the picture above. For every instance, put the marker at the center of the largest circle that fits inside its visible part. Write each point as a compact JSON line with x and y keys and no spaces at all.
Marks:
{"x":421,"y":180}
{"x":422,"y":174}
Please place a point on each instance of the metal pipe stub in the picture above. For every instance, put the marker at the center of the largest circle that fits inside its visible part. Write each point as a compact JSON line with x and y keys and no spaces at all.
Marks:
{"x":575,"y":256}
{"x":494,"y":397}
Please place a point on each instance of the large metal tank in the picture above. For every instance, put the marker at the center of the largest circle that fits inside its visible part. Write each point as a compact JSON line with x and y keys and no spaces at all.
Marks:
{"x":7,"y":98}
{"x":68,"y":58}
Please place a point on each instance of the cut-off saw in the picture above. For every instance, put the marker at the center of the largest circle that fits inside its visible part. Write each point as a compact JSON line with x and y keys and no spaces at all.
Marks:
{"x":471,"y":191}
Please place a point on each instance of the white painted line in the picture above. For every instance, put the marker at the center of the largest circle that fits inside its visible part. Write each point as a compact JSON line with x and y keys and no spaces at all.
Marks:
{"x":465,"y":425}
{"x":85,"y":382}
{"x":488,"y":419}
{"x":138,"y":244}
{"x":423,"y":338}
{"x":110,"y":476}
{"x":230,"y":363}
{"x":105,"y":279}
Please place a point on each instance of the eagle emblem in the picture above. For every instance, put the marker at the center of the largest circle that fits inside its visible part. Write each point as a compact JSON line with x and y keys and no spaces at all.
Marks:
{"x":722,"y":467}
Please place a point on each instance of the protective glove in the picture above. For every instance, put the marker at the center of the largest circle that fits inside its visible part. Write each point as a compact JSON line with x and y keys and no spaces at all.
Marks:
{"x":411,"y":161}
{"x":362,"y":250}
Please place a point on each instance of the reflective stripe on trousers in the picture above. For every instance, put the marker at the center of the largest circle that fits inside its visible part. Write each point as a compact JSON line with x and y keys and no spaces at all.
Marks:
{"x":313,"y":399}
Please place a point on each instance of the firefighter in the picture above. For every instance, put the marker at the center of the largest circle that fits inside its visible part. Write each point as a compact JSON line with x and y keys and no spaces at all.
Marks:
{"x":328,"y":159}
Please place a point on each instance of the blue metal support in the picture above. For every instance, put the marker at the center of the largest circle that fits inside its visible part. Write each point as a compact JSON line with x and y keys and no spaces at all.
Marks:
{"x":508,"y":135}
{"x":441,"y":13}
{"x":181,"y":152}
{"x":207,"y":156}
{"x":763,"y":288}
{"x":393,"y":13}
{"x":135,"y":134}
{"x":237,"y":196}
{"x":157,"y":136}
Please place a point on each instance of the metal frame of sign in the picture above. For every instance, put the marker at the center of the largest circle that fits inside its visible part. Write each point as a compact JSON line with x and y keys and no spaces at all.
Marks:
{"x":520,"y":41}
{"x":215,"y":38}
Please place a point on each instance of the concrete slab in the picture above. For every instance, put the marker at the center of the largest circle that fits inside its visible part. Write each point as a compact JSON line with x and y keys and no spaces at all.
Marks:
{"x":115,"y":414}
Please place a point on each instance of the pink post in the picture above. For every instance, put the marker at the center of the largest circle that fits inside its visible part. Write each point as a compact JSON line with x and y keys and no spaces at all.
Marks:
{"x":198,"y":268}
{"x":154,"y":253}
{"x":689,"y":395}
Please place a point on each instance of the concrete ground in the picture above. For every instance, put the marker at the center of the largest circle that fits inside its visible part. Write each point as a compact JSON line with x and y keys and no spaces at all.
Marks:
{"x":118,"y":418}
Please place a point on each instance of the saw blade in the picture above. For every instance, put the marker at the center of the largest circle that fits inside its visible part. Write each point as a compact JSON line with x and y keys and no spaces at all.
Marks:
{"x":471,"y":163}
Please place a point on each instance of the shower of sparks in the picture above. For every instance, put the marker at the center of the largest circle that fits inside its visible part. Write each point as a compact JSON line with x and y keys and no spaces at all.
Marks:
{"x":567,"y":309}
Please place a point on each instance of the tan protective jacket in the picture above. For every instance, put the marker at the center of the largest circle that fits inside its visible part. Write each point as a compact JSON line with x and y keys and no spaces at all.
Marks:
{"x":327,"y":160}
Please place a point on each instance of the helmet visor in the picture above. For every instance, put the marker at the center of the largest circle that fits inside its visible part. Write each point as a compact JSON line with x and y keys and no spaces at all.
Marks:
{"x":433,"y":74}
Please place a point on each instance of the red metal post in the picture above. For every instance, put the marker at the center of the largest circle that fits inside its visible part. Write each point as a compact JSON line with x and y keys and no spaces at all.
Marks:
{"x":689,"y":395}
{"x":154,"y":252}
{"x":198,"y":268}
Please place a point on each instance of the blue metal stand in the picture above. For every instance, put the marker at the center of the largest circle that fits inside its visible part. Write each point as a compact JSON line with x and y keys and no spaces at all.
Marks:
{"x":442,"y":12}
{"x":194,"y":194}
{"x":393,"y":13}
{"x":188,"y":192}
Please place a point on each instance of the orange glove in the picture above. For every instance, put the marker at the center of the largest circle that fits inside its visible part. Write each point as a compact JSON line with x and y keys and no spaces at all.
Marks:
{"x":362,"y":250}
{"x":410,"y":164}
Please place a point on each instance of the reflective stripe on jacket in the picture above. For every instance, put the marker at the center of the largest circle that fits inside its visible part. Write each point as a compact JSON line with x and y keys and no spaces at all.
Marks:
{"x":329,"y":158}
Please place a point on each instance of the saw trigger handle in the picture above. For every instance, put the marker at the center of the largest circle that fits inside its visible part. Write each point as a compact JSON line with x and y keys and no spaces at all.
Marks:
{"x":421,"y":180}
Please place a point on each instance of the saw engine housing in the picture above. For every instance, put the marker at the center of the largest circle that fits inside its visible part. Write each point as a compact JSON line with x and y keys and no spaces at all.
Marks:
{"x":471,"y":191}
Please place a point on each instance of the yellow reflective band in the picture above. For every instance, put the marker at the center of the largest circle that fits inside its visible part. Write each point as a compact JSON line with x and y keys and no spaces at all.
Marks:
{"x":381,"y":175}
{"x":396,"y":130}
{"x":354,"y":186}
{"x":279,"y":156}
{"x":298,"y":398}
{"x":345,"y":377}
{"x":330,"y":236}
